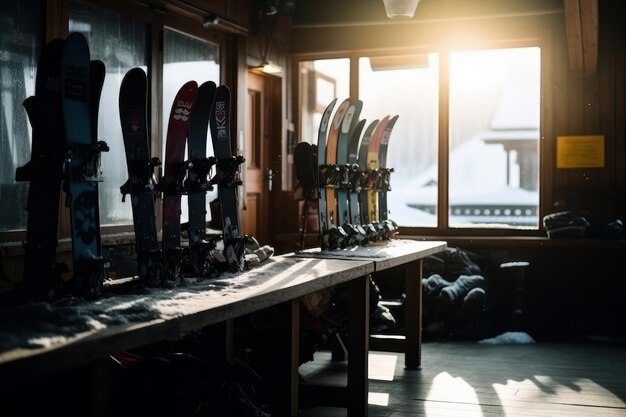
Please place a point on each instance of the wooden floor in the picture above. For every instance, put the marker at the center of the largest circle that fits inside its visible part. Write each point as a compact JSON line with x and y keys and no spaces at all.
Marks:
{"x":471,"y":379}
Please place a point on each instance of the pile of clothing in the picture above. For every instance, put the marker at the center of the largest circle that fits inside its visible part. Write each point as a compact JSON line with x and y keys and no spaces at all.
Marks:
{"x":454,"y":291}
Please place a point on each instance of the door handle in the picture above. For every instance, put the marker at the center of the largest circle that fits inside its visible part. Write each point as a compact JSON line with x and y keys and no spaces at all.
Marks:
{"x":269,"y":176}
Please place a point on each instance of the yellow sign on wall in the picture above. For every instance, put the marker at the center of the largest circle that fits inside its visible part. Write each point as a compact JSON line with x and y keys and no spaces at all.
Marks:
{"x":580,"y":151}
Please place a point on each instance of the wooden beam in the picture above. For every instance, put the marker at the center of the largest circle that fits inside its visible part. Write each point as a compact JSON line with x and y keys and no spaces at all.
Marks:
{"x":581,"y":26}
{"x":589,"y":23}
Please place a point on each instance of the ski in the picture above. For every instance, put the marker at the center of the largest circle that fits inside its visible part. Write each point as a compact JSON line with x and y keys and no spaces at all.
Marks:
{"x":334,"y":234}
{"x":227,"y":180}
{"x":354,"y":174}
{"x":362,"y":162}
{"x":44,"y":171}
{"x":82,"y":165}
{"x":373,"y":172}
{"x":171,"y":185}
{"x":348,"y":124}
{"x":199,"y":166}
{"x":140,"y":184}
{"x":384,"y":184}
{"x":321,"y":173}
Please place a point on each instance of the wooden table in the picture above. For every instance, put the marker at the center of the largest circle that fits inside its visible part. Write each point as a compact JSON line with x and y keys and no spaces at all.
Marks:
{"x":277,"y":283}
{"x":397,"y":252}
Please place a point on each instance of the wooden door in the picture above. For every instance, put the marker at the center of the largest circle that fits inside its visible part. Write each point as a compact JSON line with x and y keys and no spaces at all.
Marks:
{"x":257,"y":176}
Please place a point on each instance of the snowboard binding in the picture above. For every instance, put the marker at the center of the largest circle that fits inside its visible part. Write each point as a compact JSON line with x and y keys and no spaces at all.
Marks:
{"x":201,"y":256}
{"x":228,"y":172}
{"x":90,"y":275}
{"x":144,"y":183}
{"x":329,"y":175}
{"x":172,"y":261}
{"x":234,"y":252}
{"x":335,"y":237}
{"x":151,"y":268}
{"x":198,"y":173}
{"x":91,"y":169}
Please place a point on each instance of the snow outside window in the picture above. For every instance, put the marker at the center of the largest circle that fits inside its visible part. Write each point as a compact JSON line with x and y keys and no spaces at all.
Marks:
{"x":20,"y":44}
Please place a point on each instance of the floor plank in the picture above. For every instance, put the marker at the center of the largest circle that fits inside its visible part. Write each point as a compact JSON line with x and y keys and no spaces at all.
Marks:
{"x":471,"y":379}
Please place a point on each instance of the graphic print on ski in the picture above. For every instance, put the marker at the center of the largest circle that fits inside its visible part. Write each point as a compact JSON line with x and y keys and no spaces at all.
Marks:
{"x":321,"y":162}
{"x":197,"y":183}
{"x":82,"y":166}
{"x":45,"y":173}
{"x":140,"y":184}
{"x":227,"y":179}
{"x":172,"y":182}
{"x":335,"y":234}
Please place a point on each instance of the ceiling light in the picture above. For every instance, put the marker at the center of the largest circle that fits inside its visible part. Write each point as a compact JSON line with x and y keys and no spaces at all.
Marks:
{"x":269,"y":69}
{"x":400,"y":9}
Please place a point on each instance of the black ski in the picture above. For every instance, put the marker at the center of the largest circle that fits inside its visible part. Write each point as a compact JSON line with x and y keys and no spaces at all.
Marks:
{"x":45,"y":173}
{"x":227,"y":179}
{"x":197,"y":183}
{"x":82,"y":165}
{"x":141,"y":183}
{"x":172,"y":183}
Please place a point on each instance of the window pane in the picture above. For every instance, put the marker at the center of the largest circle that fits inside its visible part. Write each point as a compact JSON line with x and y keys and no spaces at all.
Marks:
{"x":320,"y":82}
{"x":119,"y":42}
{"x":187,"y":58}
{"x":20,"y":35}
{"x":408,"y":87}
{"x":494,"y":132}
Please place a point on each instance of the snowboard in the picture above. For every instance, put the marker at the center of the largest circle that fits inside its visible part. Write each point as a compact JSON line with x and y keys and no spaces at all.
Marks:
{"x":171,"y":185}
{"x":353,"y":173}
{"x":384,"y":185}
{"x":362,"y":162}
{"x":140,"y":184}
{"x":82,"y":166}
{"x":321,"y":173}
{"x":44,"y":171}
{"x":199,"y":166}
{"x":336,"y":234}
{"x":372,"y":170}
{"x":348,"y":124}
{"x":227,"y":179}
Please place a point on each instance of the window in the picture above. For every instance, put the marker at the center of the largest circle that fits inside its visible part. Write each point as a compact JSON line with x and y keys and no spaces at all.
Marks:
{"x":187,"y":58}
{"x":410,"y":90}
{"x":320,"y":82}
{"x":121,"y":43}
{"x":492,"y":107}
{"x":20,"y":43}
{"x":494,"y":136}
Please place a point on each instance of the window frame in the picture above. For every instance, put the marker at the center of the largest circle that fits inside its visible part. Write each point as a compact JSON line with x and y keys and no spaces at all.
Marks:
{"x":539,"y":38}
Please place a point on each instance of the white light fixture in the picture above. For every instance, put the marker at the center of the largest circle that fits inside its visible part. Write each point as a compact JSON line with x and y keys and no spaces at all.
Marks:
{"x":270,"y":69}
{"x":400,"y":9}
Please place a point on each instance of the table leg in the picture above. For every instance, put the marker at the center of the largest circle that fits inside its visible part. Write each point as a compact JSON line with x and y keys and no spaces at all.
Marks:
{"x":358,"y":346}
{"x":413,"y":315}
{"x":284,"y":378}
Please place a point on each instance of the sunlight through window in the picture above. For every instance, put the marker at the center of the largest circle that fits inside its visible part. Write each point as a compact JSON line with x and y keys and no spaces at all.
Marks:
{"x":378,"y":398}
{"x":382,"y":366}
